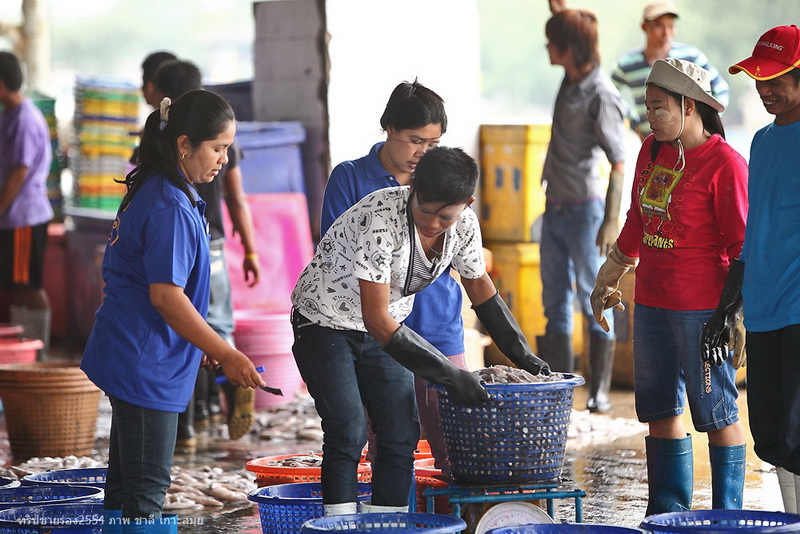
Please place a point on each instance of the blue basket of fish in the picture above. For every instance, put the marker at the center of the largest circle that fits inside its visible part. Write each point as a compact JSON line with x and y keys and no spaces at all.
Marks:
{"x":396,"y":523}
{"x":284,"y":508}
{"x":92,"y":476}
{"x":518,"y":437}
{"x":77,"y":518}
{"x":50,"y":494}
{"x":721,"y":522}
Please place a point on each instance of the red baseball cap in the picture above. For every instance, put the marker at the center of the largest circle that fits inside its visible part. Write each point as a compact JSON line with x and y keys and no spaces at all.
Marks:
{"x":776,"y":53}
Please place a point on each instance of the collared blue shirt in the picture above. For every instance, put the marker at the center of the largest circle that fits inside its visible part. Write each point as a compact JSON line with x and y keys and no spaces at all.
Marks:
{"x":132,"y":353}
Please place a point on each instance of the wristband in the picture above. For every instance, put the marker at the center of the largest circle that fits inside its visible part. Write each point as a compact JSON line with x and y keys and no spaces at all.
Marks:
{"x":251,"y":256}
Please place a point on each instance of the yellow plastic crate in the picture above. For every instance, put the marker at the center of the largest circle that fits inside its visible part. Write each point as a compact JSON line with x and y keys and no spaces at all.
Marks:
{"x":512,"y":197}
{"x":515,"y":272}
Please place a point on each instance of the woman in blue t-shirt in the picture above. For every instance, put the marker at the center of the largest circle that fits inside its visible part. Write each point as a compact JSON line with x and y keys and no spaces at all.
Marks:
{"x":150,"y":333}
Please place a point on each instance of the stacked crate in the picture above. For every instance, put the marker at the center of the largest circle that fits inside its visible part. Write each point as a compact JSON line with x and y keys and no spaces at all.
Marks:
{"x":106,"y":132}
{"x":47,"y":106}
{"x":512,"y":203}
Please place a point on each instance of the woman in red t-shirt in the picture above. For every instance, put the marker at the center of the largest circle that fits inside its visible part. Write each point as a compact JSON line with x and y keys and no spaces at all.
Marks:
{"x":686,"y":222}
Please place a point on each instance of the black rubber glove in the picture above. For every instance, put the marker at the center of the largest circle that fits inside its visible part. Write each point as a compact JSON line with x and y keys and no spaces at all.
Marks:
{"x":414,"y":353}
{"x":720,"y":331}
{"x":495,"y":316}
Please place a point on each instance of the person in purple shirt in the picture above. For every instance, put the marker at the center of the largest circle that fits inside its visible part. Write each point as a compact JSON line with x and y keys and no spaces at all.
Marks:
{"x":414,"y":120}
{"x":25,"y":211}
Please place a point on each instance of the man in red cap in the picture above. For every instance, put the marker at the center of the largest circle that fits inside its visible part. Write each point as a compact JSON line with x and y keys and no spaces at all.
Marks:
{"x":770,"y":284}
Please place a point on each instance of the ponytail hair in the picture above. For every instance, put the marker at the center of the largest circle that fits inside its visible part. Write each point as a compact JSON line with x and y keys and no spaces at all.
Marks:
{"x":412,"y":106}
{"x":199,"y":115}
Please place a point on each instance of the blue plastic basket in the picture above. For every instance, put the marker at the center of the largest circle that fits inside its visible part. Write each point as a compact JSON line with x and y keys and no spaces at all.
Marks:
{"x":396,"y":523}
{"x":519,"y":436}
{"x":82,"y":518}
{"x":565,"y":528}
{"x":92,"y":476}
{"x":722,"y":522}
{"x":285,"y":507}
{"x":51,"y":494}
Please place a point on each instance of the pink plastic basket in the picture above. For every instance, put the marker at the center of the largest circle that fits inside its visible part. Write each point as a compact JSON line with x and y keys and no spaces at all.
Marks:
{"x":19,"y":350}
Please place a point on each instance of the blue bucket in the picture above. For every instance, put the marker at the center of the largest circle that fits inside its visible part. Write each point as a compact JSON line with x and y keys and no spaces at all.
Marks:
{"x":518,"y":437}
{"x":81,"y":518}
{"x":396,"y":523}
{"x":285,"y":507}
{"x":93,"y":476}
{"x":722,"y":522}
{"x":52,"y":494}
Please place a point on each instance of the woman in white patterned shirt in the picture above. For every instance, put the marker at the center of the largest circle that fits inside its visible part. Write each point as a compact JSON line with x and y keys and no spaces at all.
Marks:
{"x":350,"y":345}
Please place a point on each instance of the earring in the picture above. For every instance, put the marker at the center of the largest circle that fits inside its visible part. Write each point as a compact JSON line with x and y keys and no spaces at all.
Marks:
{"x":183,"y":156}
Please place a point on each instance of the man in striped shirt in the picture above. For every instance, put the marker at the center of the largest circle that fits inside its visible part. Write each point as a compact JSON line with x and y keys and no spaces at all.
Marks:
{"x":632,"y":69}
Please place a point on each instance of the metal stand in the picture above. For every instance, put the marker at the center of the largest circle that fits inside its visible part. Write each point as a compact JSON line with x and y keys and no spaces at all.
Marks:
{"x":458,"y":495}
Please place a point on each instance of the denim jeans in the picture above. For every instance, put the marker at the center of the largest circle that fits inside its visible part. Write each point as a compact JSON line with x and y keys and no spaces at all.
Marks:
{"x":773,"y":392}
{"x":140,"y":453}
{"x":220,"y":305}
{"x":569,"y":261}
{"x":668,"y":368}
{"x":345,"y":370}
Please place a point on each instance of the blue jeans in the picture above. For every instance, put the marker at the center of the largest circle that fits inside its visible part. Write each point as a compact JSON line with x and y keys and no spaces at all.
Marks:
{"x":140,"y":453}
{"x":220,"y":305}
{"x":346,"y":371}
{"x":773,"y":392}
{"x":569,"y":258}
{"x":668,"y":368}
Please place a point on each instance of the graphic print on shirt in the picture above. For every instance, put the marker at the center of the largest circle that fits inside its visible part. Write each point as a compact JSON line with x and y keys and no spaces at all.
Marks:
{"x":655,"y":199}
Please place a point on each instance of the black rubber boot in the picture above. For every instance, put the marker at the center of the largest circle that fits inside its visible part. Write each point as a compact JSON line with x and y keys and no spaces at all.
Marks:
{"x":601,"y":362}
{"x":201,"y":398}
{"x":556,"y":350}
{"x":214,"y":408}
{"x":186,"y":441}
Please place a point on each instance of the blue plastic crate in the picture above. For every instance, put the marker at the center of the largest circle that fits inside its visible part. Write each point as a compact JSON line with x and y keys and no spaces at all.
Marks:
{"x":396,"y":523}
{"x":50,"y":494}
{"x":565,"y":528}
{"x":285,"y":507}
{"x":518,"y":437}
{"x":92,"y":476}
{"x":272,"y":159}
{"x":721,"y":522}
{"x":83,"y":518}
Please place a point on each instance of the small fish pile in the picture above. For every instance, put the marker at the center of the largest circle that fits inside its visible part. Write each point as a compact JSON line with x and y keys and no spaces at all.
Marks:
{"x":503,"y":374}
{"x":49,"y":463}
{"x":295,"y":421}
{"x":311,"y":459}
{"x":205,"y":487}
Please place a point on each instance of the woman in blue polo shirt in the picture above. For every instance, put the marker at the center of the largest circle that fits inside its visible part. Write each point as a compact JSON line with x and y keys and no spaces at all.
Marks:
{"x":150,"y":332}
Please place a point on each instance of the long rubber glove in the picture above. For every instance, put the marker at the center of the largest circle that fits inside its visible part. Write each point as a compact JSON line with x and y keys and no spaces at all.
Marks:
{"x":504,"y":330}
{"x":414,"y":353}
{"x":723,"y":329}
{"x":606,"y":293}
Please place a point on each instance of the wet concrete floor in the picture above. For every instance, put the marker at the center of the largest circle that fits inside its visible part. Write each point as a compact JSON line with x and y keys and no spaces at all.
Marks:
{"x":604,"y":457}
